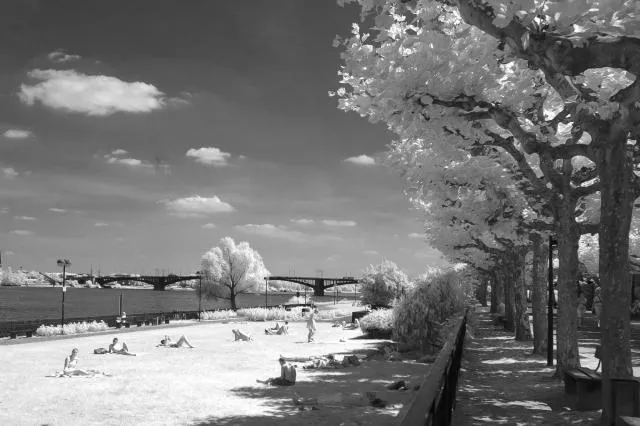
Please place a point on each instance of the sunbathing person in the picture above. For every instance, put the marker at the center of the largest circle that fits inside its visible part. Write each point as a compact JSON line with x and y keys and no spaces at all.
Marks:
{"x":287,"y":375}
{"x":119,"y":348}
{"x":284,"y":329}
{"x":240,"y":336}
{"x":181,"y":343}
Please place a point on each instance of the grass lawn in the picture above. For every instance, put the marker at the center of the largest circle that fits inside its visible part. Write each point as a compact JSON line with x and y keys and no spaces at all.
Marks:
{"x":215,"y":383}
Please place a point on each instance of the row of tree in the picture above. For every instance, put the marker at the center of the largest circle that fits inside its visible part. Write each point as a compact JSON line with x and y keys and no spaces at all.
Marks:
{"x":516,"y":120}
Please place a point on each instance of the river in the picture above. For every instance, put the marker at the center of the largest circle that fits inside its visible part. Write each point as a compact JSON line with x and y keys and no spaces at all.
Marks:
{"x":44,"y":303}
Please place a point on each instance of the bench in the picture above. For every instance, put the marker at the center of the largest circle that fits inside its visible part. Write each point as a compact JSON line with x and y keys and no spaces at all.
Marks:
{"x":584,"y":388}
{"x":28,"y":332}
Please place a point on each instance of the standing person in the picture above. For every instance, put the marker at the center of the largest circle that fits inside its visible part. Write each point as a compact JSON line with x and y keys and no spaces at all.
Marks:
{"x":311,"y":325}
{"x":582,"y":307}
{"x":597,"y":305}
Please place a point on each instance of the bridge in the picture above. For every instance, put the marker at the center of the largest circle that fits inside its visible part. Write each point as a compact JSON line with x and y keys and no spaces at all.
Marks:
{"x":319,"y":285}
{"x":157,"y":281}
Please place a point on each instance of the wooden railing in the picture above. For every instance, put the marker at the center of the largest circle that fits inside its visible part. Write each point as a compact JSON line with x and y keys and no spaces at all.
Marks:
{"x":436,"y":399}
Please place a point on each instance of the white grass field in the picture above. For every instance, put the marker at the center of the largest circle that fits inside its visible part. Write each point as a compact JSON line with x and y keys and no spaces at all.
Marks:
{"x":215,"y":383}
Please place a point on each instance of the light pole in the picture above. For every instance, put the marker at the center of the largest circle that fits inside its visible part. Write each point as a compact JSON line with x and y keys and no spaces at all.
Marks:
{"x":199,"y":274}
{"x":550,"y":305}
{"x":63,"y":263}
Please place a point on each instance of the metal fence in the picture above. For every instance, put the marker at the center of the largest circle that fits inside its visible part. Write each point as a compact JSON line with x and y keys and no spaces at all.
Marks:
{"x":434,"y":403}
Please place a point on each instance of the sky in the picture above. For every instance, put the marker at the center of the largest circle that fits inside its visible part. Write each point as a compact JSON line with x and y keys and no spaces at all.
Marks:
{"x":136,"y":134}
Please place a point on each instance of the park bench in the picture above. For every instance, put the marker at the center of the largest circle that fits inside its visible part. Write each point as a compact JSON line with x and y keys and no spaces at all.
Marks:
{"x":584,"y":388}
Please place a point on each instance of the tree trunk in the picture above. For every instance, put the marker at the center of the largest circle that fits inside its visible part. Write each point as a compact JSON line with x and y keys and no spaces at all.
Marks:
{"x":482,"y":292}
{"x":509,"y":298}
{"x":567,"y":326}
{"x":520,"y":295}
{"x":539,"y":294}
{"x":616,"y":208}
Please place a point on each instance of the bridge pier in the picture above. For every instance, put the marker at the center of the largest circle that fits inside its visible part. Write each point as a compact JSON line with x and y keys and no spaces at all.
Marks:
{"x":318,"y":288}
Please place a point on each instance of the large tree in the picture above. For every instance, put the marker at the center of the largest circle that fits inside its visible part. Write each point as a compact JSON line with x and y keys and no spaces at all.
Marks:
{"x":528,"y":72}
{"x":232,"y":269}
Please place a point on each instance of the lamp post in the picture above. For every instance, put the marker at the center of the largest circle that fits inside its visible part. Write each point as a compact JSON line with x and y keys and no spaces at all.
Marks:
{"x":199,"y":274}
{"x":63,"y":263}
{"x":550,"y":305}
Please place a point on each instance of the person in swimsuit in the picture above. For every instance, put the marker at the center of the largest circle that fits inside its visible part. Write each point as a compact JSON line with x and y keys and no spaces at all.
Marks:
{"x":181,"y":343}
{"x":119,"y":348}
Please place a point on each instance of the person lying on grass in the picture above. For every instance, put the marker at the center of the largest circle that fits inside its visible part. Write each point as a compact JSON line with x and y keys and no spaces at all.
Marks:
{"x":287,"y":375}
{"x":119,"y":348}
{"x":239,"y":335}
{"x":181,"y":343}
{"x":284,"y":329}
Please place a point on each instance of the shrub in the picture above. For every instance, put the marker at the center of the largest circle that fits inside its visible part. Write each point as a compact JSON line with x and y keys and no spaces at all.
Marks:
{"x":378,"y":323}
{"x":420,"y":318}
{"x":72,"y":328}
{"x":381,"y":284}
{"x":217,"y":315}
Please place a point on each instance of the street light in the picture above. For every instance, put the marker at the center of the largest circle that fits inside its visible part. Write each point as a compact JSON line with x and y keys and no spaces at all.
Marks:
{"x":63,"y":263}
{"x":199,"y":274}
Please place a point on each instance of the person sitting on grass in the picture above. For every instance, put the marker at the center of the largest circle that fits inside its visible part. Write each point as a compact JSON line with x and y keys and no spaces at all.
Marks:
{"x":181,"y":343}
{"x":119,"y":348}
{"x":239,"y":335}
{"x":283,"y":329}
{"x":287,"y":375}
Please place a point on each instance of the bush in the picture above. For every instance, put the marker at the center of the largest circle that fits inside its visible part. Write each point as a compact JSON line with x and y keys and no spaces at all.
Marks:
{"x":72,"y":328}
{"x":217,"y":315}
{"x":378,"y":323}
{"x":382,"y":284}
{"x":420,"y":318}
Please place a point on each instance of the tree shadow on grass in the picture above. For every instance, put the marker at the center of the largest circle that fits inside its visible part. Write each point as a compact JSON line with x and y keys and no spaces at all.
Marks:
{"x":339,"y":395}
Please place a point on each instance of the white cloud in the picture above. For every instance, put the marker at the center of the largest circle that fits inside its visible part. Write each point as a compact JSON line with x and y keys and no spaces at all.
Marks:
{"x":60,"y":56}
{"x":210,"y":156}
{"x":331,"y":222}
{"x":361,"y":160}
{"x":95,"y":95}
{"x":16,"y":134}
{"x":24,"y":218}
{"x":57,"y":210}
{"x":9,"y":172}
{"x":209,"y":225}
{"x":415,"y":236}
{"x":197,"y":206}
{"x":119,"y":152}
{"x":272,"y":231}
{"x":22,"y":232}
{"x":371,"y":253}
{"x":302,"y":221}
{"x":100,"y":224}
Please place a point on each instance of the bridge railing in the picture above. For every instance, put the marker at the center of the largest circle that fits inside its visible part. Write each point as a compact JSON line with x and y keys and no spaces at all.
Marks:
{"x":436,"y":399}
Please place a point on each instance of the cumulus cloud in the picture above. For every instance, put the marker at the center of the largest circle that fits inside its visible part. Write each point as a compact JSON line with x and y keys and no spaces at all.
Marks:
{"x":9,"y":172}
{"x":302,"y":221}
{"x":331,"y":222}
{"x":94,"y":95}
{"x":57,"y":210}
{"x":100,"y":224}
{"x":24,"y":218}
{"x":16,"y":134}
{"x":197,"y":206}
{"x":59,"y":56}
{"x":209,"y":225}
{"x":22,"y":232}
{"x":209,"y":156}
{"x":361,"y":160}
{"x":415,"y":235}
{"x":371,"y":253}
{"x":272,"y":231}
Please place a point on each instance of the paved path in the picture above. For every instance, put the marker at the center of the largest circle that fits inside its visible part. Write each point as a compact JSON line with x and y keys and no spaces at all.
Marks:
{"x":502,"y":383}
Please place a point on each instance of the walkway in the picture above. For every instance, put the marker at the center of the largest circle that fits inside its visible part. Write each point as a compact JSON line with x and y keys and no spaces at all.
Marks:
{"x":502,"y":383}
